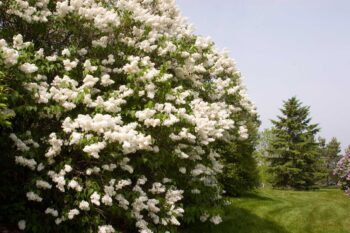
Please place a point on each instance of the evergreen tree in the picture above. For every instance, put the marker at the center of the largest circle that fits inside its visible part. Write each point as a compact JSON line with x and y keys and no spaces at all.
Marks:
{"x":331,"y":157}
{"x":293,"y":150}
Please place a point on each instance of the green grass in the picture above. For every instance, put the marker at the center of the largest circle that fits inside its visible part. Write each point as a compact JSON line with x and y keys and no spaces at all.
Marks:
{"x":280,"y":211}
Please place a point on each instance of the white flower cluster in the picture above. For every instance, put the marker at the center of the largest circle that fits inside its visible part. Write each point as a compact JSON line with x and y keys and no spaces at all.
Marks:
{"x":112,"y":130}
{"x":31,"y":163}
{"x":28,"y":68}
{"x":243,"y":132}
{"x":34,"y":197}
{"x":95,"y":198}
{"x":19,"y":143}
{"x":43,"y":184}
{"x":84,"y":205}
{"x":73,"y":184}
{"x":211,"y":120}
{"x":72,"y":213}
{"x":9,"y":54}
{"x":216,"y":219}
{"x":55,"y":147}
{"x":36,"y":13}
{"x":52,"y":212}
{"x":22,"y":225}
{"x":59,"y":179}
{"x":24,"y":146}
{"x":106,"y":229}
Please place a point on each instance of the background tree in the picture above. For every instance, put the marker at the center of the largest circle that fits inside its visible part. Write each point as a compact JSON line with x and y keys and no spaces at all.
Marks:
{"x":331,"y":158}
{"x":293,"y":151}
{"x":329,"y":155}
{"x":240,"y":172}
{"x":321,"y":162}
{"x":262,"y":155}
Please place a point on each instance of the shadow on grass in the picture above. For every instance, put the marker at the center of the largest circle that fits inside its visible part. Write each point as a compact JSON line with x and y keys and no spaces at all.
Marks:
{"x":238,"y":220}
{"x":253,"y":195}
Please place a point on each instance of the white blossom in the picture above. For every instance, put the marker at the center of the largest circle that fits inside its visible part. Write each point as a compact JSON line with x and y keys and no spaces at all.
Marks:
{"x":84,"y":205}
{"x":19,"y":143}
{"x":34,"y":197}
{"x":94,"y":149}
{"x":107,"y":200}
{"x":52,"y":212}
{"x":68,"y":168}
{"x":28,"y":68}
{"x":9,"y":55}
{"x":106,"y":80}
{"x":216,"y":219}
{"x":73,"y":184}
{"x":43,"y":184}
{"x":69,"y":65}
{"x":204,"y":217}
{"x":22,"y":225}
{"x":95,"y":198}
{"x":31,"y":163}
{"x":72,"y":213}
{"x":66,"y":52}
{"x":106,"y":229}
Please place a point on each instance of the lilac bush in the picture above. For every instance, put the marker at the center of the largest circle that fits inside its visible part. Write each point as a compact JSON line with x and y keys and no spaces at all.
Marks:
{"x":342,"y":171}
{"x":119,"y":111}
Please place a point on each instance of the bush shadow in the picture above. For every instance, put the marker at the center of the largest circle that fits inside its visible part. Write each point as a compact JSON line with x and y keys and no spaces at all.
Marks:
{"x":238,"y":220}
{"x":256,"y":196}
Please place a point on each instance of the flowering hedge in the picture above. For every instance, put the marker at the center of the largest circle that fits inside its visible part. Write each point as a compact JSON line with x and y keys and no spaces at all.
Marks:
{"x":342,"y":171}
{"x":120,"y":110}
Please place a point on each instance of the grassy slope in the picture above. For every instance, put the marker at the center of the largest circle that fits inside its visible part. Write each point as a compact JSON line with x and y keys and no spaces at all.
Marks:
{"x":276,"y":211}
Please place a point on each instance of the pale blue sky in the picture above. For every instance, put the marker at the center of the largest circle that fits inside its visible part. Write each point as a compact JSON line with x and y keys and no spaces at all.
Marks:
{"x":285,"y":48}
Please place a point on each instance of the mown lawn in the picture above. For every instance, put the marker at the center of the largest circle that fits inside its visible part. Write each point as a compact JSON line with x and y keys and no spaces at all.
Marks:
{"x":280,"y":211}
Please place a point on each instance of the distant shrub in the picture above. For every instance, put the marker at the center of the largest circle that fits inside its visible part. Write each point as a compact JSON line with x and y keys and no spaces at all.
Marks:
{"x":342,"y":171}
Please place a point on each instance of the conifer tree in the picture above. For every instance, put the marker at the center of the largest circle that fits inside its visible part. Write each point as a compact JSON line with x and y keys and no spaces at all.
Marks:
{"x":293,"y":150}
{"x":331,"y":158}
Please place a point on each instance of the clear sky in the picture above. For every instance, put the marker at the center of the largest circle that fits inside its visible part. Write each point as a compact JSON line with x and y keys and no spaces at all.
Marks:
{"x":286,"y":48}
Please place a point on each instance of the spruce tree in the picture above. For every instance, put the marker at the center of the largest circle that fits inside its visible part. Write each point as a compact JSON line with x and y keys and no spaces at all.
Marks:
{"x":293,"y":150}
